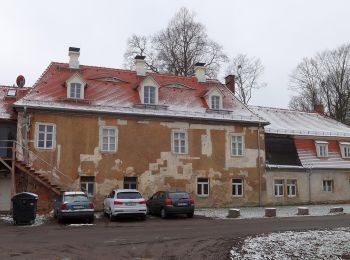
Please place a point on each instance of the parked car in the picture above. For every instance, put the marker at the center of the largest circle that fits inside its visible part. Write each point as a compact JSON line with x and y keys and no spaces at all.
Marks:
{"x":165,"y":203}
{"x":74,"y":204}
{"x":125,"y":203}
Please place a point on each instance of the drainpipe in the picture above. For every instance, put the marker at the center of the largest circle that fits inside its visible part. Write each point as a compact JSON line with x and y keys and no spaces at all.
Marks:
{"x":259,"y":164}
{"x":310,"y":172}
{"x":25,"y":141}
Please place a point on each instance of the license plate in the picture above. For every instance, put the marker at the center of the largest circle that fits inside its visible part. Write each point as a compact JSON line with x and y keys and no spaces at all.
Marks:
{"x":182,"y":204}
{"x":78,"y":207}
{"x":130,"y":203}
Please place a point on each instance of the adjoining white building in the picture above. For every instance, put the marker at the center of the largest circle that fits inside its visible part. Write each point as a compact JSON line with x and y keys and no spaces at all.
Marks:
{"x":307,"y":157}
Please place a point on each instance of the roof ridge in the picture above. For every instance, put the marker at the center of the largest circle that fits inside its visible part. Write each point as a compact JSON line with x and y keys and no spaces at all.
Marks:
{"x":284,"y":109}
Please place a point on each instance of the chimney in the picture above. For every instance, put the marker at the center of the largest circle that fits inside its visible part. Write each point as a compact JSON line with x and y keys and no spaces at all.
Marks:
{"x":74,"y":57}
{"x":140,"y":65}
{"x":319,"y":108}
{"x":199,"y":71}
{"x":230,"y":83}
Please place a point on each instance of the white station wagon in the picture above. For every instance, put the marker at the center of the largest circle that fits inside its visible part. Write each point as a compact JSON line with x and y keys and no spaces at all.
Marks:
{"x":125,"y":203}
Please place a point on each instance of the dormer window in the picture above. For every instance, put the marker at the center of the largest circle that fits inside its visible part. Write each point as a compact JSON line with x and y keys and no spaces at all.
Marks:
{"x":322,"y":149}
{"x":11,"y":93}
{"x":149,"y":95}
{"x":345,"y":149}
{"x":75,"y":91}
{"x":215,"y":102}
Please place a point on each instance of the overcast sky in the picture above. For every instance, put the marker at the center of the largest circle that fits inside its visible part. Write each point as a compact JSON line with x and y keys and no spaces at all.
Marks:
{"x":280,"y":33}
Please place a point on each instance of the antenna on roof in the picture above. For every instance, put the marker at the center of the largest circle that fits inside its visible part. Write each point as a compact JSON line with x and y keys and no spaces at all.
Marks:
{"x":20,"y":81}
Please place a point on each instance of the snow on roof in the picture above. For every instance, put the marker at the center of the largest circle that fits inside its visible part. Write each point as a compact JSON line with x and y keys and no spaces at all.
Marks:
{"x":290,"y":122}
{"x":121,"y":96}
{"x":8,"y":95}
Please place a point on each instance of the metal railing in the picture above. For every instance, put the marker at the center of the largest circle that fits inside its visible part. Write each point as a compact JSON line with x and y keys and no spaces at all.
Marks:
{"x":54,"y":175}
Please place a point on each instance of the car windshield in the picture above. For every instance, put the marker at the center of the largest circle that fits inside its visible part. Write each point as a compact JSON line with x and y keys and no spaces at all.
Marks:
{"x":75,"y":197}
{"x":129,"y":195}
{"x":179,"y":195}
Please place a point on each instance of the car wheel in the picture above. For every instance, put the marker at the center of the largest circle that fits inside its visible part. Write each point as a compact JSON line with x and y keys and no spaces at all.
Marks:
{"x":190,"y":215}
{"x":163,"y":213}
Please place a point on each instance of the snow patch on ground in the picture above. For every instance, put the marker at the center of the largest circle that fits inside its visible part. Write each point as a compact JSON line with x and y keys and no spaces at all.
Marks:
{"x":316,"y":244}
{"x":39,"y":220}
{"x":80,"y":225}
{"x":281,"y":211}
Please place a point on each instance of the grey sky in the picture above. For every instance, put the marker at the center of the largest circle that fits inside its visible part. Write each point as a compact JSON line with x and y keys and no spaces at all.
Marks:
{"x":280,"y":33}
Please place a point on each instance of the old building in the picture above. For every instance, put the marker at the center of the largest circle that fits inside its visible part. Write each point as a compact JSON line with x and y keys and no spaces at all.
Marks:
{"x":101,"y":128}
{"x":8,"y":127}
{"x":307,"y":157}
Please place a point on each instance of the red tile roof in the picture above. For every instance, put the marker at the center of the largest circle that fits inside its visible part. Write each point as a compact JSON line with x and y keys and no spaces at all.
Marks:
{"x":121,"y":95}
{"x":6,"y":109}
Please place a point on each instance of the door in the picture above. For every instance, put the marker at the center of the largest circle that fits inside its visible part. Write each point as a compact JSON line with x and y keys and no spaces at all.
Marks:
{"x":5,"y":193}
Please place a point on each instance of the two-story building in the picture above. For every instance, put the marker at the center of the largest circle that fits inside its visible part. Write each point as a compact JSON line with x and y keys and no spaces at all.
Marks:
{"x":100,"y":128}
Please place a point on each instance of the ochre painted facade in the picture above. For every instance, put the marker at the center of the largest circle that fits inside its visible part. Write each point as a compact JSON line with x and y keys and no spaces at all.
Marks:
{"x":144,"y":151}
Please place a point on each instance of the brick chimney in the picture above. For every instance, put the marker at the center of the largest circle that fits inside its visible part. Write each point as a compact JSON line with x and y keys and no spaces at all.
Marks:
{"x":140,"y":65}
{"x":199,"y":72}
{"x":319,"y":108}
{"x":230,"y":82}
{"x":74,"y":54}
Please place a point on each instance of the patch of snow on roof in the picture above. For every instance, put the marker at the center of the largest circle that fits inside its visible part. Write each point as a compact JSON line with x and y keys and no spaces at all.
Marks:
{"x":290,"y":122}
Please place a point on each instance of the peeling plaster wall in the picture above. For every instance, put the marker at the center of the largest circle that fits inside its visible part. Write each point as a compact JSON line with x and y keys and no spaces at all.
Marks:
{"x":144,"y":151}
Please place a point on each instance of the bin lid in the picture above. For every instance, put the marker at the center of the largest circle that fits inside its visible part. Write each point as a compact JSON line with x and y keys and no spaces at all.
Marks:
{"x":28,"y":195}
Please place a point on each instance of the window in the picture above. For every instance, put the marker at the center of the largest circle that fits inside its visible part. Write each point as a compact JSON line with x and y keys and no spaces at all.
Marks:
{"x":45,"y":136}
{"x":108,"y":139}
{"x":87,"y":184}
{"x":149,"y":95}
{"x":202,"y":187}
{"x":237,"y":145}
{"x":345,"y":149}
{"x":75,"y":91}
{"x":322,"y":149}
{"x":11,"y":93}
{"x":328,"y":185}
{"x":179,"y":142}
{"x":215,"y":102}
{"x":291,"y":188}
{"x":279,"y":191}
{"x":237,"y":187}
{"x":130,"y":182}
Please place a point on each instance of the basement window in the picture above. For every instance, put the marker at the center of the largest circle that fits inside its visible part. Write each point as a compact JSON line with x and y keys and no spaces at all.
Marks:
{"x":237,"y":187}
{"x":203,"y":187}
{"x":87,"y":184}
{"x":130,"y":182}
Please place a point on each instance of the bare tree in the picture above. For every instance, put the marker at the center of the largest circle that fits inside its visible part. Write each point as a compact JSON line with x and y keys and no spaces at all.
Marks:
{"x":324,"y":79}
{"x":248,"y":72}
{"x":178,"y":47}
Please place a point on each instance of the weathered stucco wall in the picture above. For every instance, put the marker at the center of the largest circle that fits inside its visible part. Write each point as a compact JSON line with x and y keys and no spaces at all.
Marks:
{"x":144,"y":150}
{"x":340,"y":193}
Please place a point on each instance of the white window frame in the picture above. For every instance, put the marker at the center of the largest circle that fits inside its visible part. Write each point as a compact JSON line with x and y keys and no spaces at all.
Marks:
{"x":86,"y":185}
{"x":290,"y":187}
{"x":326,"y":186}
{"x":202,"y":184}
{"x":173,"y":147}
{"x":345,"y":149}
{"x":235,"y":187}
{"x":37,"y":133}
{"x":74,"y":85}
{"x":232,"y":136}
{"x":278,"y":187}
{"x":129,"y":183}
{"x":322,"y":149}
{"x":147,"y":99}
{"x":215,"y":102}
{"x":108,"y":150}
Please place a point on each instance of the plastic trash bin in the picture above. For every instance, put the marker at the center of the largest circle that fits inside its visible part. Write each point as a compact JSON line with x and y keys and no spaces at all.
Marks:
{"x":24,"y":206}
